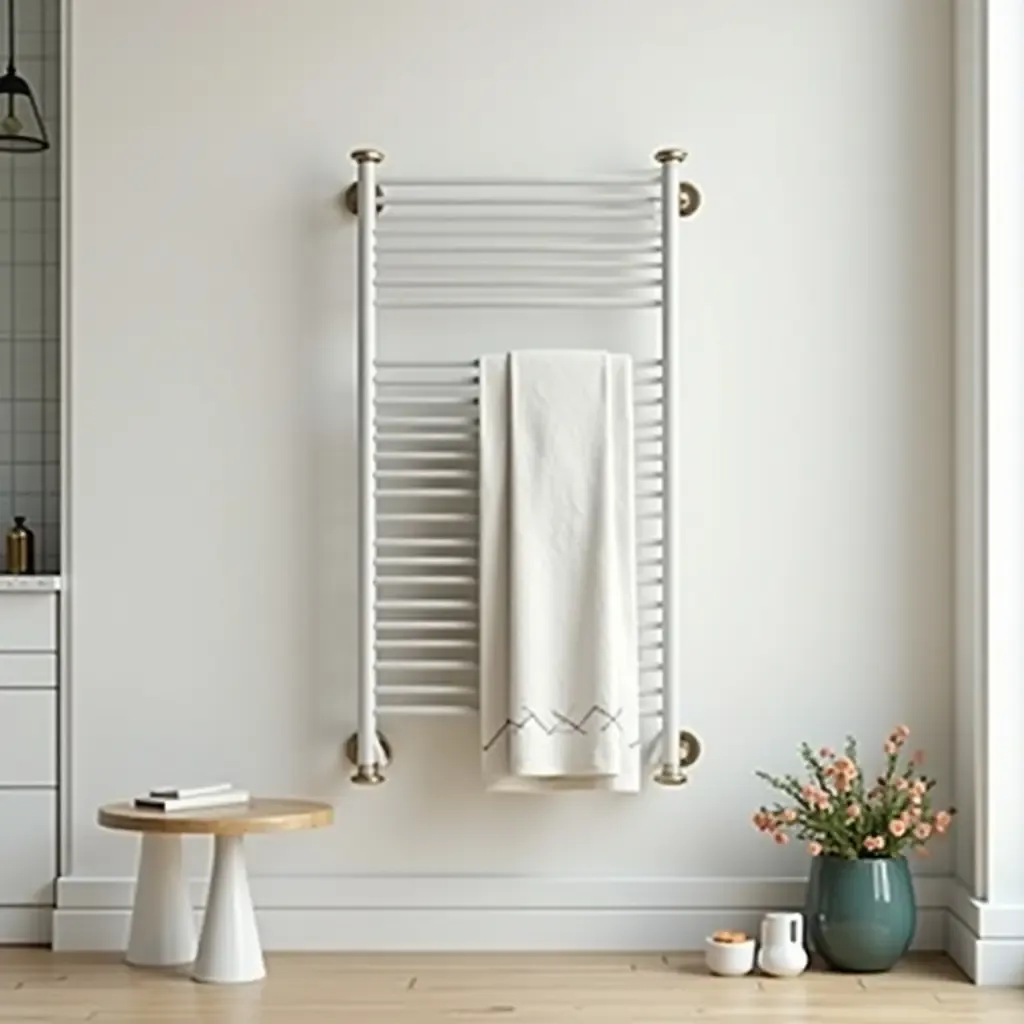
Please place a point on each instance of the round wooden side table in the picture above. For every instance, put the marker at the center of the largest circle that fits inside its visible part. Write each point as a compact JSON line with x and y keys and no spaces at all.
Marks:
{"x":162,"y":926}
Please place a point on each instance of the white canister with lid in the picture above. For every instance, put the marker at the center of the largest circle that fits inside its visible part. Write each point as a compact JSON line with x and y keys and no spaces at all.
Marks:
{"x":782,"y":952}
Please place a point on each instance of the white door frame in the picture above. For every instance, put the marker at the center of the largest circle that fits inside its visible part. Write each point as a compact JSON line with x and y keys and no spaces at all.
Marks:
{"x":986,"y":920}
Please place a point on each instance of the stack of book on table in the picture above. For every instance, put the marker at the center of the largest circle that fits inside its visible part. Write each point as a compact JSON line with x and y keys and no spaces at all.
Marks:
{"x":191,"y":798}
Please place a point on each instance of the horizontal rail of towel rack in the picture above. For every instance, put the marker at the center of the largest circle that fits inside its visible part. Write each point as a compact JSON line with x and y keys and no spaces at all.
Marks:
{"x":499,"y":243}
{"x":593,"y":215}
{"x":648,"y":180}
{"x":553,"y":302}
{"x":598,"y":252}
{"x":596,"y":269}
{"x":594,"y":247}
{"x":631,"y":204}
{"x":471,"y":364}
{"x":580,"y":284}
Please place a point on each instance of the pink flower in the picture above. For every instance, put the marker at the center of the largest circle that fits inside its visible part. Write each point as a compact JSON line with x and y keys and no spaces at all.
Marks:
{"x":824,"y":804}
{"x":916,"y":799}
{"x":891,"y":747}
{"x":898,"y":828}
{"x":789,"y":815}
{"x":917,"y":757}
{"x":922,"y":830}
{"x":942,"y":821}
{"x":842,"y":773}
{"x":814,"y":849}
{"x":781,"y":838}
{"x":809,"y":793}
{"x":826,"y":752}
{"x":874,"y":843}
{"x":918,"y":788}
{"x":853,"y":812}
{"x":901,"y":731}
{"x":912,"y":813}
{"x":902,"y":785}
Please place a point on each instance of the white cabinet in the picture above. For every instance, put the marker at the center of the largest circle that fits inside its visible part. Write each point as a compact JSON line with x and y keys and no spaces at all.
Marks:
{"x":28,"y":761}
{"x":28,"y":622}
{"x":28,"y":670}
{"x":28,"y":847}
{"x":28,"y":739}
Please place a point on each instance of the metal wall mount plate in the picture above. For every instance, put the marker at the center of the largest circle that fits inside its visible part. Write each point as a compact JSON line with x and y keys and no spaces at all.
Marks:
{"x":351,"y":199}
{"x":372,"y":775}
{"x":690,"y":751}
{"x":690,"y":199}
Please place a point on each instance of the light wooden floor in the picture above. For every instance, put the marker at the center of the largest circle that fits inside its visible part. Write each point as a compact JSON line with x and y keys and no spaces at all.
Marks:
{"x":37,"y":986}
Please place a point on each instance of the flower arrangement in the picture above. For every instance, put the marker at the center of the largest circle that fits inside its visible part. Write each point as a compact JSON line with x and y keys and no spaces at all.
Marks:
{"x":839,"y":814}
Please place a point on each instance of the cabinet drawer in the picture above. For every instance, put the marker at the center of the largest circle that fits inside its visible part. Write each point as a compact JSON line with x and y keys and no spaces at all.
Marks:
{"x":28,"y":847}
{"x":28,"y":622}
{"x":28,"y":738}
{"x":28,"y":670}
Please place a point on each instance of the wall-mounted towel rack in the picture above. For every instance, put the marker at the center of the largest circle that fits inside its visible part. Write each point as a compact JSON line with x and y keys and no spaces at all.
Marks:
{"x":497,"y":243}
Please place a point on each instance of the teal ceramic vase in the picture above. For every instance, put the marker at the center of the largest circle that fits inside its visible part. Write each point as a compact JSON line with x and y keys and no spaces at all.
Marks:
{"x":861,"y":914}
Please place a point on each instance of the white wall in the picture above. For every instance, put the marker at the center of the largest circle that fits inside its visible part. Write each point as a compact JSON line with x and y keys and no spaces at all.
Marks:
{"x":211,"y":555}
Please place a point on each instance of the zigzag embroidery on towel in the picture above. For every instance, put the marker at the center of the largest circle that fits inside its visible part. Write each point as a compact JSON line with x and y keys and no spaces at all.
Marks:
{"x":562,"y":724}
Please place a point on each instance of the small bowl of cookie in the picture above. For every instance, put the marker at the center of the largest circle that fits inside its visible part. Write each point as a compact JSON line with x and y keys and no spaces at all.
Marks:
{"x":729,"y":954}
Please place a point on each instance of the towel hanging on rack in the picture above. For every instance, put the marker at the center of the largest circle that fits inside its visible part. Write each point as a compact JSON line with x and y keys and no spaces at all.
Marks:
{"x":559,"y":678}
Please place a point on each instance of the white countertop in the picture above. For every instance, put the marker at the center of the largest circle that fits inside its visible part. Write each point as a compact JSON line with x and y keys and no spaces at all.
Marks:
{"x":28,"y":584}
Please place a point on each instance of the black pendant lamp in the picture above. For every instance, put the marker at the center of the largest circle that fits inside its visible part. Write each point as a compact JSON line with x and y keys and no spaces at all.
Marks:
{"x":21,"y":125}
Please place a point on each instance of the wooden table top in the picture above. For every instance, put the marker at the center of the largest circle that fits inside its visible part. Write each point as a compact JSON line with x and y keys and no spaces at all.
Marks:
{"x":259,"y":815}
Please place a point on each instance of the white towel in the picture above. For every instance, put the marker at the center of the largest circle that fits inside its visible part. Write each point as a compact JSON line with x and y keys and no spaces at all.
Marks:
{"x":559,"y":673}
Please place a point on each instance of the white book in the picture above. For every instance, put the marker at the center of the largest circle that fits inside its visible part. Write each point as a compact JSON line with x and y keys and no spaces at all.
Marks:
{"x":192,"y":803}
{"x":183,"y":792}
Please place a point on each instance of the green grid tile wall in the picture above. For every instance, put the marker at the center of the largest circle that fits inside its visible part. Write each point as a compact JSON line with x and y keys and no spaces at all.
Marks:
{"x":30,"y":343}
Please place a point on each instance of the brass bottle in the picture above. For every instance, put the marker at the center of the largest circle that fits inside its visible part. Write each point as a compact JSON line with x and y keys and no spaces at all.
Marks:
{"x":21,"y":548}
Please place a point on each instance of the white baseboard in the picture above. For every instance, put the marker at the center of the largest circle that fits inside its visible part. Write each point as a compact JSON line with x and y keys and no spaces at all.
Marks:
{"x":962,"y":946}
{"x":986,"y":940}
{"x":485,"y":914}
{"x":458,"y":931}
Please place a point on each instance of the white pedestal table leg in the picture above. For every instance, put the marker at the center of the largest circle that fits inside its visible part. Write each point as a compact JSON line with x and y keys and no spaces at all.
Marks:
{"x":229,"y":944}
{"x":163,"y":932}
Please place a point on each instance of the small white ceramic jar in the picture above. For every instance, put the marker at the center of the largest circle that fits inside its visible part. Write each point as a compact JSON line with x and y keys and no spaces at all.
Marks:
{"x":782,"y":951}
{"x":729,"y":959}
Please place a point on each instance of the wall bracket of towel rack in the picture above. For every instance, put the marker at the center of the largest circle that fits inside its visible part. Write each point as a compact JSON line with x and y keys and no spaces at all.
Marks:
{"x":500,"y":243}
{"x":689,"y":754}
{"x":372,"y":774}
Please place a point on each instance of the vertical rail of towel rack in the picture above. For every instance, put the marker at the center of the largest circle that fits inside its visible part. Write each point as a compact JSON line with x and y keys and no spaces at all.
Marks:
{"x":367,"y":767}
{"x":671,"y":770}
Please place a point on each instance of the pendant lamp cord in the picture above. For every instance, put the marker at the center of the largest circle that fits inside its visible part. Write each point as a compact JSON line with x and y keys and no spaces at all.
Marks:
{"x":10,"y":36}
{"x":10,"y":53}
